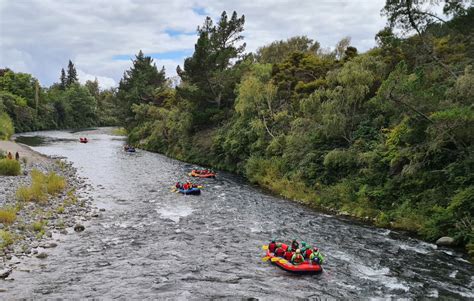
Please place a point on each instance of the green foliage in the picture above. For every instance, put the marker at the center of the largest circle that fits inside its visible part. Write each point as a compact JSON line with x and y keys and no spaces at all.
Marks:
{"x":383,"y":135}
{"x":210,"y":76}
{"x":139,"y":84}
{"x":6,"y":126}
{"x":9,"y":167}
{"x":67,"y":104}
{"x":42,"y":186}
{"x":278,"y":51}
{"x":7,"y":215}
{"x":6,"y":238}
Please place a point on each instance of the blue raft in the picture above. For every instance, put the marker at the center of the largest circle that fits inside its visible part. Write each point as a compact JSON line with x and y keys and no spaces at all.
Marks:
{"x":192,"y":191}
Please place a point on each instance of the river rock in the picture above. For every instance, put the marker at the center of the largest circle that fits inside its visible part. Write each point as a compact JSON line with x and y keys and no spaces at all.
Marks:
{"x":445,"y":241}
{"x":5,"y":273}
{"x":42,"y":255}
{"x":79,"y":228}
{"x":49,"y":245}
{"x":1,"y":226}
{"x":102,"y":209}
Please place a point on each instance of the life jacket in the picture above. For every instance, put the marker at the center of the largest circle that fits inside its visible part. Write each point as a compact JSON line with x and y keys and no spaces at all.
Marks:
{"x":297,"y":259}
{"x":279,"y":252}
{"x":288,"y":255}
{"x":294,"y":246}
{"x":271,"y":247}
{"x":307,"y":253}
{"x":316,"y":258}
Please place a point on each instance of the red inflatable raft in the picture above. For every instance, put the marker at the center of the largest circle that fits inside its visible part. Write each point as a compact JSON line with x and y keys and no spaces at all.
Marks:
{"x":83,"y":140}
{"x":202,"y":174}
{"x":303,"y":268}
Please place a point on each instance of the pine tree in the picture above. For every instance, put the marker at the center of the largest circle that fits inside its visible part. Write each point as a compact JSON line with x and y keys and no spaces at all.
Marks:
{"x":62,"y":79}
{"x":71,"y":74}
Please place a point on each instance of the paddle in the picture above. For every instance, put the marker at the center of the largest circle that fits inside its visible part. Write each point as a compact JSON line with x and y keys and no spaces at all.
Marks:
{"x":275,"y":259}
{"x":265,"y":247}
{"x":265,"y":259}
{"x":283,"y":261}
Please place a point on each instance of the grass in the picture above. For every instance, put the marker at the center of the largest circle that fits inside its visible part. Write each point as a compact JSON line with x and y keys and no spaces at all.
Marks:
{"x":60,"y":209}
{"x":6,"y":238}
{"x":9,"y":167}
{"x":55,"y":183}
{"x":38,"y":226}
{"x":7,"y":216}
{"x":119,"y":132}
{"x":42,"y":186}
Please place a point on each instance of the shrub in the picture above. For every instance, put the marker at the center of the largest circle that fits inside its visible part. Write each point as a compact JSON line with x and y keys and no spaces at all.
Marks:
{"x":119,"y":132}
{"x":55,"y":183}
{"x":38,"y":226}
{"x":9,"y":167}
{"x":42,"y":186}
{"x":23,"y":194}
{"x":6,"y":238}
{"x":6,"y":126}
{"x":7,"y":216}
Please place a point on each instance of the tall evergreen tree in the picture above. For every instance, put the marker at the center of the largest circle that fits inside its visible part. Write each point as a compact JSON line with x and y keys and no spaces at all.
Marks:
{"x":71,"y":74}
{"x":210,"y":67}
{"x":63,"y":80}
{"x":139,"y":83}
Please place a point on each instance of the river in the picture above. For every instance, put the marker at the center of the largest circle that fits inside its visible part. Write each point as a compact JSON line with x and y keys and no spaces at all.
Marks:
{"x":152,"y":243}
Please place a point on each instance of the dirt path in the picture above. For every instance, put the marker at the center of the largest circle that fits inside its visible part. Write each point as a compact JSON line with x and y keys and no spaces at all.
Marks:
{"x":23,"y":150}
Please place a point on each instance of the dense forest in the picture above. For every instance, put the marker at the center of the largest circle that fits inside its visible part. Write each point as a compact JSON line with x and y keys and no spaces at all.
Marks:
{"x":384,"y":135}
{"x":26,"y":106}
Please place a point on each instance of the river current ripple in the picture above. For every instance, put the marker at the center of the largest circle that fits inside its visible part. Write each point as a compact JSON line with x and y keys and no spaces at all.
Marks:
{"x":151,"y":243}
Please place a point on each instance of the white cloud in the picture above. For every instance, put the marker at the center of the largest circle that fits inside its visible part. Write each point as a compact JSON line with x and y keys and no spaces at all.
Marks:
{"x":104,"y":82}
{"x":40,"y":36}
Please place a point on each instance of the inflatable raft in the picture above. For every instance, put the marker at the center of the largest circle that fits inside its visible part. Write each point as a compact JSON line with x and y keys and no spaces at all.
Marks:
{"x":129,"y":149}
{"x":303,"y":268}
{"x":191,"y":191}
{"x":83,"y":140}
{"x":202,"y":174}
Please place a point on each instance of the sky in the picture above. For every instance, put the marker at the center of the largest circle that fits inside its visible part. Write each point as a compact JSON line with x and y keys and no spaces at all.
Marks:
{"x":101,"y":37}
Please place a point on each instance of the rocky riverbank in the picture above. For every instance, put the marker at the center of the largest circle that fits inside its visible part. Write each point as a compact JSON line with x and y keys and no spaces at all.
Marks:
{"x":37,"y":227}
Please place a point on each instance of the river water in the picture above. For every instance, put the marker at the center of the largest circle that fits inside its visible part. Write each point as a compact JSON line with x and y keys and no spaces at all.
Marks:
{"x":152,"y":243}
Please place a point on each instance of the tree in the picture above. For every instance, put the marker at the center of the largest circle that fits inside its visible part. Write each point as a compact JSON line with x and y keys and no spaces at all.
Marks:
{"x":209,"y":69}
{"x":278,"y":51}
{"x":138,"y":84}
{"x":412,"y":15}
{"x":71,"y":74}
{"x":63,"y":79}
{"x":93,"y":87}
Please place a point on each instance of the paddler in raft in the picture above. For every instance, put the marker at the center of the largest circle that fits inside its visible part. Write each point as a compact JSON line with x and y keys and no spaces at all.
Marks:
{"x":288,"y":254}
{"x":272,"y":246}
{"x":295,"y":245}
{"x":279,"y":251}
{"x":316,"y":257}
{"x":297,"y":258}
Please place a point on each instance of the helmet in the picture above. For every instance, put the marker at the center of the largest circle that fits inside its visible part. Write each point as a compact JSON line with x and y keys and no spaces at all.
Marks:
{"x":288,"y":249}
{"x":316,"y":249}
{"x":278,"y":245}
{"x":298,"y":251}
{"x":273,"y":240}
{"x":303,"y":243}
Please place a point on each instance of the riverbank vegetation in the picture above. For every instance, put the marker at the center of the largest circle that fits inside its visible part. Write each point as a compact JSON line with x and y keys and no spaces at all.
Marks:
{"x":41,"y":188}
{"x":384,"y":135}
{"x":9,"y":167}
{"x":26,"y":106}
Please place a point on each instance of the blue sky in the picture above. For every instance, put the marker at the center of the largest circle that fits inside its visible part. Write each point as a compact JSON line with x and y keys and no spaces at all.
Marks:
{"x":40,"y":36}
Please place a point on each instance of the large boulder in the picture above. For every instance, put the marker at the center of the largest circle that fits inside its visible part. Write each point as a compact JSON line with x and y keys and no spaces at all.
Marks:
{"x":445,"y":241}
